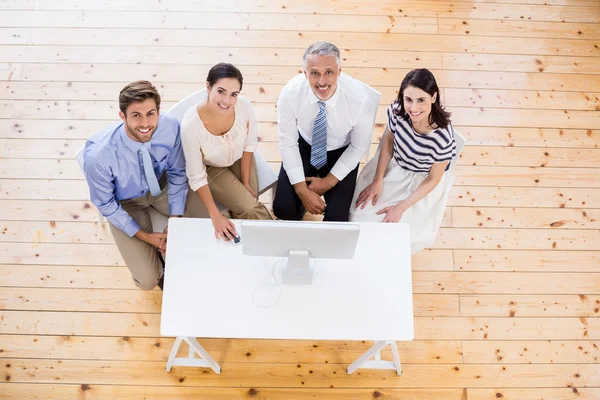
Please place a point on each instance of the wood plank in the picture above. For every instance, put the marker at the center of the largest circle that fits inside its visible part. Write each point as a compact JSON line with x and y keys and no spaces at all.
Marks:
{"x":10,"y":71}
{"x":521,"y":118}
{"x":290,"y":375}
{"x":42,"y":148}
{"x":535,"y":394}
{"x":523,"y":260}
{"x":523,"y":99}
{"x":522,"y":239}
{"x":50,"y":129}
{"x":485,"y":283}
{"x":188,"y":55}
{"x":60,"y":254}
{"x":521,"y":63}
{"x":6,"y":108}
{"x":15,"y":189}
{"x":505,"y":217}
{"x":561,"y":197}
{"x":102,"y":392}
{"x":498,"y":328}
{"x":495,"y":49}
{"x":40,"y":169}
{"x":414,"y":8}
{"x":515,"y":156}
{"x":14,"y":35}
{"x":55,"y":232}
{"x":532,"y":352}
{"x":530,"y":305}
{"x":192,"y":20}
{"x":17,"y":4}
{"x":530,"y":137}
{"x":43,"y":210}
{"x":281,"y":75}
{"x":426,"y":328}
{"x":563,"y":178}
{"x":225,"y":350}
{"x":67,"y":276}
{"x":139,"y":301}
{"x":508,"y":28}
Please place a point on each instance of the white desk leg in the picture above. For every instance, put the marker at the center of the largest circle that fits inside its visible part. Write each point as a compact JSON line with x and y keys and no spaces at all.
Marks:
{"x":205,"y":359}
{"x":173,"y":354}
{"x":364,"y":361}
{"x":204,"y":354}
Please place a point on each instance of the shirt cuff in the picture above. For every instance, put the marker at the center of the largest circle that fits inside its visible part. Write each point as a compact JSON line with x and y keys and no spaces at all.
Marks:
{"x":197,"y":184}
{"x":131,"y":227}
{"x":176,"y":208}
{"x":339,"y":171}
{"x":296,"y":175}
{"x":251,"y":147}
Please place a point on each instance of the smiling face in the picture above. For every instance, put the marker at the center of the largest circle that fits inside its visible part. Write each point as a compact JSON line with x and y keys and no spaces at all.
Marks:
{"x":223,"y":95}
{"x":322,"y":73}
{"x":417,"y":104}
{"x":141,"y":119}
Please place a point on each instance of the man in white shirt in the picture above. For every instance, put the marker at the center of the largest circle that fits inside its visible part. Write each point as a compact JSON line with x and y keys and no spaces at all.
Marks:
{"x":325,"y":121}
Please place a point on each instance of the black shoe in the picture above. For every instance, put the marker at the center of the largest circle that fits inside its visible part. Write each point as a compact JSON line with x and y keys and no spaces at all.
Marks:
{"x":161,"y":282}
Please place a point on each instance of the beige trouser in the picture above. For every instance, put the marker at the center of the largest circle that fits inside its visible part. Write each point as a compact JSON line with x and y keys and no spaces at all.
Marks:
{"x":140,"y":257}
{"x":226,"y":187}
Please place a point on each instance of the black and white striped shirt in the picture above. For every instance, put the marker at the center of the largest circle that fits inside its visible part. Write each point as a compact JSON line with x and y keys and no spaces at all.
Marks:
{"x":418,"y":152}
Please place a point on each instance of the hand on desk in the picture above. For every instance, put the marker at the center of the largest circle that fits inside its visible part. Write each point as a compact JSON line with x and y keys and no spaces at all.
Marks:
{"x":224,"y":228}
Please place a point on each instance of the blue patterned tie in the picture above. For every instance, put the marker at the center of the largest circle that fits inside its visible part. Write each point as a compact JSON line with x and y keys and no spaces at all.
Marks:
{"x":149,"y":170}
{"x":318,"y":151}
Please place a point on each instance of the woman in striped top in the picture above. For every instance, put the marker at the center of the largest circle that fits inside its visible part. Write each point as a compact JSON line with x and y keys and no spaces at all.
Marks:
{"x":408,"y":180}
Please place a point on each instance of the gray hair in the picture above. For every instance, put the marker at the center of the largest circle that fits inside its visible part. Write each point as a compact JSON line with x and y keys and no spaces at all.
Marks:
{"x":322,"y":49}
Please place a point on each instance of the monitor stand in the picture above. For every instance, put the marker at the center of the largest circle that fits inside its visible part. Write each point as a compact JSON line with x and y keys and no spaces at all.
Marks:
{"x":297,"y":271}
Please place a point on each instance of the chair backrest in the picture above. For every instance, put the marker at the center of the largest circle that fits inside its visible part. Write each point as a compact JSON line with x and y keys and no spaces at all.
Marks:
{"x":460,"y":144}
{"x":79,"y":158}
{"x":179,"y":109}
{"x":374,"y":97}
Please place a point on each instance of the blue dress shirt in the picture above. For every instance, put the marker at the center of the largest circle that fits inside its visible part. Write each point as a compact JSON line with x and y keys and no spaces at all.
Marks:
{"x":114,"y":170}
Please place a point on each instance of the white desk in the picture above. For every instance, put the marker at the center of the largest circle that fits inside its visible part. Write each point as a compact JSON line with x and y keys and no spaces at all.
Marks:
{"x":210,"y":284}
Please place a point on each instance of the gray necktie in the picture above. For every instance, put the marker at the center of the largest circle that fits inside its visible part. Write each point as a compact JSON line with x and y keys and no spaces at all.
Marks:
{"x":149,"y":170}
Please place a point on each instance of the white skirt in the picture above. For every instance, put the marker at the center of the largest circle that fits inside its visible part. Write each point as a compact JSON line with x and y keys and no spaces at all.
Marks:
{"x":424,"y":217}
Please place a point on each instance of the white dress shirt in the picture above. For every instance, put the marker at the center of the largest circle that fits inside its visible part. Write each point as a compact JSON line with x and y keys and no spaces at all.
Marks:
{"x":350,"y":120}
{"x":201,"y":148}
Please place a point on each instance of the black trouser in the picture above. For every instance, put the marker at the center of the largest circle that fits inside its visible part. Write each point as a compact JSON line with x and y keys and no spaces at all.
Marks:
{"x":288,"y":206}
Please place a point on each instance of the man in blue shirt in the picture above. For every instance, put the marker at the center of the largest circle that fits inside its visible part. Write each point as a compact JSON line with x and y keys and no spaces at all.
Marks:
{"x":135,"y":165}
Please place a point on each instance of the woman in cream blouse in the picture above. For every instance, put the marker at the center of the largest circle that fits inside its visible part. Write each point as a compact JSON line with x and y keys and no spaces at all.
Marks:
{"x":219,"y":138}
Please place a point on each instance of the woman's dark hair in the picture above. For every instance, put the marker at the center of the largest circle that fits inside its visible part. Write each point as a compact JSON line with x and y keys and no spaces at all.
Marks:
{"x":224,"y":70}
{"x":424,"y":80}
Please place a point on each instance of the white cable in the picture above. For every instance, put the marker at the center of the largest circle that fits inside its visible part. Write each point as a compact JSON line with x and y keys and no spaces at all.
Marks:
{"x":275,"y":284}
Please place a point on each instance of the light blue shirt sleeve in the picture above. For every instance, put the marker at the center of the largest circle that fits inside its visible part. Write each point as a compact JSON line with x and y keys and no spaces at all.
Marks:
{"x":102,"y":194}
{"x":178,"y":182}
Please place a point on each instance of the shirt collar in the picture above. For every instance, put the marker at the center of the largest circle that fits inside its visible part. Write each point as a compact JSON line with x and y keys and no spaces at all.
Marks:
{"x":133,"y":144}
{"x":331,"y":102}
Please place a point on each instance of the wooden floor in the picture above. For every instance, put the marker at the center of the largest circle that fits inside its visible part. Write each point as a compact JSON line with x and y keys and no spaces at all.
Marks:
{"x":507,"y":303}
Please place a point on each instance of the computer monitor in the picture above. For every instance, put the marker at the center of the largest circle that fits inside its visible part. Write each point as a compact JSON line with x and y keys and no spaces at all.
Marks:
{"x":299,"y":241}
